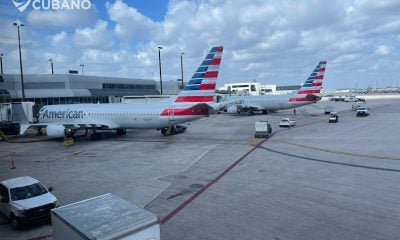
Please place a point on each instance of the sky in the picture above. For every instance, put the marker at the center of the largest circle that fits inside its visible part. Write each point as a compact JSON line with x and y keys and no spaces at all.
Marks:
{"x":272,"y":42}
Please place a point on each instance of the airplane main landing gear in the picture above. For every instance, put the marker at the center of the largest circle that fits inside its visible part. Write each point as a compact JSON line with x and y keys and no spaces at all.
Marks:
{"x":172,"y":130}
{"x":121,"y":131}
{"x":95,"y":136}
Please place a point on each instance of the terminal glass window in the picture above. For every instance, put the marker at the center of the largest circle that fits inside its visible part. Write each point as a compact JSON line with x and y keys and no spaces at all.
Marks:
{"x":127,"y":86}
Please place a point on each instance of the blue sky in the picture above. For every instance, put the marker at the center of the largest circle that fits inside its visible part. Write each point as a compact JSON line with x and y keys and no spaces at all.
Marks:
{"x":275,"y":42}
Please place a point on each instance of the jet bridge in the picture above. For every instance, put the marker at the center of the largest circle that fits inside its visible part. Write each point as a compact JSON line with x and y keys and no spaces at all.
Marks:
{"x":13,"y":114}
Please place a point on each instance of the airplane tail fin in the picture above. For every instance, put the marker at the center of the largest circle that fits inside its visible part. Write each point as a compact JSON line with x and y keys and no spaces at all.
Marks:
{"x":201,"y":87}
{"x":310,"y":90}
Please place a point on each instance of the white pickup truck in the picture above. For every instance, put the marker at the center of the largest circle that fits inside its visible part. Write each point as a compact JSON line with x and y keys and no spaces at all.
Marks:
{"x":25,"y":201}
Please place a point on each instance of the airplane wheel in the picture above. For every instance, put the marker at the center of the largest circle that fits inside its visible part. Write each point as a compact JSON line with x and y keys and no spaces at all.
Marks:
{"x":121,"y":131}
{"x":95,"y":136}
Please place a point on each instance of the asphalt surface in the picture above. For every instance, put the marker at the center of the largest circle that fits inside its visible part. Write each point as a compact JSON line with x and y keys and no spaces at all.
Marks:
{"x":314,"y":181}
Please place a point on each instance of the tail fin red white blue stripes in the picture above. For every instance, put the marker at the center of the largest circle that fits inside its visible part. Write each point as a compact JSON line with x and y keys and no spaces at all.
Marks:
{"x":310,"y":90}
{"x":201,"y":87}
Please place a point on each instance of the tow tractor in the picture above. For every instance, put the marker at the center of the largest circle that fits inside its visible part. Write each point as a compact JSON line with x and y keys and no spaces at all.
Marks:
{"x":334,"y":118}
{"x":172,"y":130}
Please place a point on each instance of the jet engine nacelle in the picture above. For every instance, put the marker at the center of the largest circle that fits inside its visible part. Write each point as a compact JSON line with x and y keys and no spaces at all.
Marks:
{"x":55,"y":131}
{"x":232,"y":109}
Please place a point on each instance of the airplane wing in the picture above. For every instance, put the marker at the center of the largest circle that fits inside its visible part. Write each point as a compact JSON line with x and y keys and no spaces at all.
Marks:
{"x":211,"y":107}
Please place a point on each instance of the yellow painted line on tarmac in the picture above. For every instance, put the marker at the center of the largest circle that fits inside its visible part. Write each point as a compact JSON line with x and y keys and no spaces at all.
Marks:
{"x":256,"y":141}
{"x":5,"y":138}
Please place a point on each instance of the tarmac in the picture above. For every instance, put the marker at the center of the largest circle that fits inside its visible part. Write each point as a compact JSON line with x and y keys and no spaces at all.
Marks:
{"x":317,"y":180}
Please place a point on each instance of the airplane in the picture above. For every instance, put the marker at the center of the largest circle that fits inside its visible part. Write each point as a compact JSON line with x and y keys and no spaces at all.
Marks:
{"x":193,"y":102}
{"x":310,"y":92}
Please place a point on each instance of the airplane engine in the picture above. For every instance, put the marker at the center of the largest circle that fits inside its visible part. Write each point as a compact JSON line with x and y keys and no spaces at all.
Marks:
{"x":232,"y":109}
{"x":55,"y":131}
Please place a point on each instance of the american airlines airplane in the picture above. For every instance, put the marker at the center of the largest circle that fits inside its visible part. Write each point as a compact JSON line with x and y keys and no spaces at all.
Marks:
{"x":310,"y":92}
{"x":195,"y":101}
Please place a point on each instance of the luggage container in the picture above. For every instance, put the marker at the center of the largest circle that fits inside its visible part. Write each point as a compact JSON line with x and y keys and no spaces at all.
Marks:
{"x":104,"y":217}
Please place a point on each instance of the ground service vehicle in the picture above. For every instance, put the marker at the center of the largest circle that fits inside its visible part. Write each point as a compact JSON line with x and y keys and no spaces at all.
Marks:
{"x":350,"y":98}
{"x":287,"y":122}
{"x":329,"y":108}
{"x":334,"y":118}
{"x":357,"y":105}
{"x":362,"y":112}
{"x":25,"y":201}
{"x":262,"y":129}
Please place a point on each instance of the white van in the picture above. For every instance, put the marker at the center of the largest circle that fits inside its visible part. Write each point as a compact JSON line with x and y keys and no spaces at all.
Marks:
{"x":25,"y":201}
{"x":262,"y":129}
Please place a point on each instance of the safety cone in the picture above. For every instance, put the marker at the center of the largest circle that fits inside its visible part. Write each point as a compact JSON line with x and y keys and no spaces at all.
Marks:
{"x":13,"y":164}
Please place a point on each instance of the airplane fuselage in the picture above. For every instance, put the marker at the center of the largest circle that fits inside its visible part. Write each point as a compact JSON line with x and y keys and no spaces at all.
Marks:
{"x":268,"y":102}
{"x":118,"y":115}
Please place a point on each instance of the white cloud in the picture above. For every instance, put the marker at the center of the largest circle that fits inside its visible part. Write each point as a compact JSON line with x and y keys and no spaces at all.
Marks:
{"x":59,"y":37}
{"x":279,"y":40}
{"x":130,"y":24}
{"x":383,"y":50}
{"x":98,"y":37}
{"x":62,"y":18}
{"x":389,"y":28}
{"x":261,"y":39}
{"x":346,"y":58}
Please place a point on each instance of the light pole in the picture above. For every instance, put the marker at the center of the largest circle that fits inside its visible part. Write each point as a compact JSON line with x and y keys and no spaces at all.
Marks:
{"x":182,"y":69}
{"x":159,"y":62}
{"x":51,"y":62}
{"x":1,"y":62}
{"x":20,"y":60}
{"x":82,"y":65}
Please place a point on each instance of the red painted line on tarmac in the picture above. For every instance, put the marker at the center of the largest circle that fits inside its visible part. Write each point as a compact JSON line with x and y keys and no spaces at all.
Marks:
{"x":212,"y":182}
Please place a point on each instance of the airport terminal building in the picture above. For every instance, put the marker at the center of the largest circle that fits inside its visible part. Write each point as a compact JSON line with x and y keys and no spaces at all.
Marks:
{"x":46,"y":89}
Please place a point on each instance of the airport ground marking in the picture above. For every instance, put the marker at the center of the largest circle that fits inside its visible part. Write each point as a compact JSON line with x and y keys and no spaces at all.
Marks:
{"x":5,"y":138}
{"x":337,"y":152}
{"x":222,"y":174}
{"x":209,"y":184}
{"x":331,"y":162}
